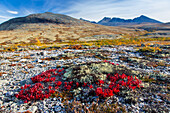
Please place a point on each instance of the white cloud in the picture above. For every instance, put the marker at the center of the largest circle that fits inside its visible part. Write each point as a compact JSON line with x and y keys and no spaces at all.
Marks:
{"x":5,"y":17}
{"x":97,"y":9}
{"x":12,"y":12}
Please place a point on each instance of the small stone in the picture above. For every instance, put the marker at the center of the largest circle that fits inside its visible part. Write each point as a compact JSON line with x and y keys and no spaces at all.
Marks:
{"x":46,"y":111}
{"x":57,"y":108}
{"x":3,"y":82}
{"x":159,"y":100}
{"x":44,"y":102}
{"x":50,"y":106}
{"x":1,"y":102}
{"x":154,"y":110}
{"x":54,"y":99}
{"x":141,"y":99}
{"x":141,"y":105}
{"x":7,"y":99}
{"x":33,"y":109}
{"x":8,"y":94}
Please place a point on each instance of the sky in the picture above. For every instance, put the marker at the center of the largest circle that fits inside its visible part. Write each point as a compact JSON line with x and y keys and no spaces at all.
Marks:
{"x":93,"y":10}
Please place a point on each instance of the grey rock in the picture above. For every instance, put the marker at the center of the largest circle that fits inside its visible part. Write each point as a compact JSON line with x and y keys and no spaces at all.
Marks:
{"x":54,"y":99}
{"x":57,"y":108}
{"x":33,"y":109}
{"x":9,"y":94}
{"x":159,"y":100}
{"x":1,"y":102}
{"x":3,"y":82}
{"x":141,"y":99}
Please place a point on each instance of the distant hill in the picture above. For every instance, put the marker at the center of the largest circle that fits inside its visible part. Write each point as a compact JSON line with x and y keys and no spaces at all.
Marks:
{"x":168,"y":23}
{"x":40,"y":18}
{"x":88,"y":20}
{"x":119,"y":21}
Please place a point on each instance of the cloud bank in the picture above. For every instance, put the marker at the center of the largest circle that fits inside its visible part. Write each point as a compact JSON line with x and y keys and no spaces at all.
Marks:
{"x":97,"y":9}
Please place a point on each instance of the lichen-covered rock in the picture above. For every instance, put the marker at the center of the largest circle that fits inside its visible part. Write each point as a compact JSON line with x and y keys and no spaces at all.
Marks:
{"x":90,"y":72}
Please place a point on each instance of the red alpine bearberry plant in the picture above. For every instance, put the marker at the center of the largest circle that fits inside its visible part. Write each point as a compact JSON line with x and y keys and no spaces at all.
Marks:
{"x":50,"y":81}
{"x":42,"y":88}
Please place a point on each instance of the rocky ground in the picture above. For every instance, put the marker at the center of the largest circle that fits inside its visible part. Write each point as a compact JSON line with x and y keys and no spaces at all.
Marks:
{"x":87,"y":65}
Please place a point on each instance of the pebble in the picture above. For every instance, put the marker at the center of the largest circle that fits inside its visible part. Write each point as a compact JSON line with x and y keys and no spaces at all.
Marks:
{"x":33,"y":109}
{"x":159,"y":100}
{"x":141,"y":99}
{"x":57,"y":108}
{"x":1,"y":102}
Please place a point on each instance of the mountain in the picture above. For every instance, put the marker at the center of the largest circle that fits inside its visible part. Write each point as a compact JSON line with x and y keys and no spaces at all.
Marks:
{"x":88,"y":21}
{"x":51,"y":28}
{"x":168,"y":23}
{"x":46,"y":17}
{"x":145,"y":19}
{"x":119,"y":21}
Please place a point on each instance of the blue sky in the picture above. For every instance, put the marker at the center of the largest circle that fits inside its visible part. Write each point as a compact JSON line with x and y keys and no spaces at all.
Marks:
{"x":93,"y":10}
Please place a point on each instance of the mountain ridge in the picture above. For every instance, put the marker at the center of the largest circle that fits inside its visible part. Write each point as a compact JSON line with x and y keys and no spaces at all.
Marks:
{"x":46,"y":17}
{"x":115,"y":21}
